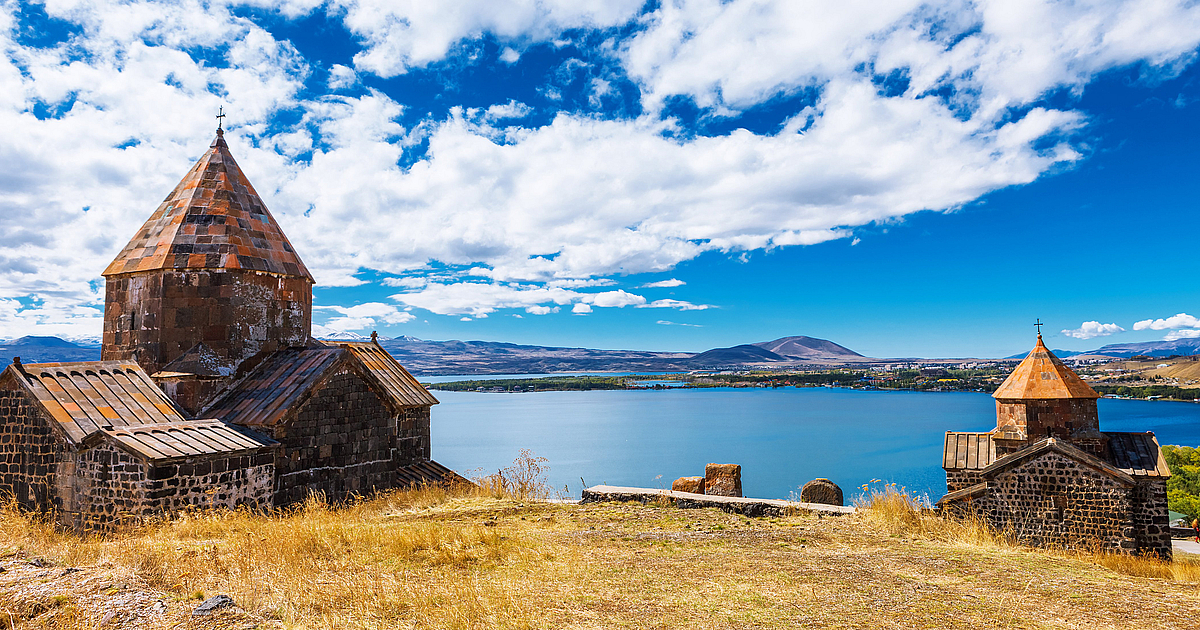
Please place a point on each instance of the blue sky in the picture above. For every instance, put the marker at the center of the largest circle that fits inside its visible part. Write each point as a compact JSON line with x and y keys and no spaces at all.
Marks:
{"x":905,"y":179}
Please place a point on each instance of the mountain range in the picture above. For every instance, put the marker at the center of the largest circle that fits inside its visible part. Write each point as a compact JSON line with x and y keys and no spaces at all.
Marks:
{"x":429,"y":358}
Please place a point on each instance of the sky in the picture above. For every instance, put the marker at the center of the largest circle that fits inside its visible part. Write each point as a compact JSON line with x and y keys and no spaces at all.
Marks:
{"x":900,"y":177}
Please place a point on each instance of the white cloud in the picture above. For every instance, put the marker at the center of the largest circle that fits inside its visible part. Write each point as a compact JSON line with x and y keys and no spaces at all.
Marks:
{"x":403,"y":35}
{"x":511,"y":109}
{"x":53,"y":316}
{"x":664,"y":284}
{"x":581,"y":308}
{"x":341,"y":77}
{"x":1181,"y":320}
{"x":677,"y":304}
{"x":613,"y":299}
{"x":363,"y":316}
{"x":1091,"y":330}
{"x":1181,"y":325}
{"x":663,"y":322}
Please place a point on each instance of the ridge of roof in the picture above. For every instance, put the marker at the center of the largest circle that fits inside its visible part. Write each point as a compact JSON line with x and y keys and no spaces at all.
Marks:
{"x":1041,"y":375}
{"x":212,"y":219}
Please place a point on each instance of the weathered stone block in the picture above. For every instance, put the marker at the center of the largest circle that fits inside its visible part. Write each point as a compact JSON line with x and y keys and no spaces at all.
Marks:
{"x":823,"y":491}
{"x":723,"y":480}
{"x":694,"y":485}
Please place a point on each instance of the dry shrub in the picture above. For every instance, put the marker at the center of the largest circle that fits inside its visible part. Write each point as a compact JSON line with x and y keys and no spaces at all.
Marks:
{"x":898,"y":513}
{"x":525,"y":480}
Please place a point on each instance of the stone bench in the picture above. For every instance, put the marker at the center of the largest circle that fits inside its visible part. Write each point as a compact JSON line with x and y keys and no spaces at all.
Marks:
{"x":734,"y":505}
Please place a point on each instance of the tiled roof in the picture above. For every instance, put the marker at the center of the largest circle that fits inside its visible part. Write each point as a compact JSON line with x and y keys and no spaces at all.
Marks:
{"x":276,"y":387}
{"x":179,"y":440}
{"x":1138,"y":454}
{"x":1041,"y":376}
{"x":87,"y":396}
{"x":429,"y":472}
{"x":284,"y":380}
{"x":970,"y":451}
{"x":213,"y":219}
{"x":404,"y":390}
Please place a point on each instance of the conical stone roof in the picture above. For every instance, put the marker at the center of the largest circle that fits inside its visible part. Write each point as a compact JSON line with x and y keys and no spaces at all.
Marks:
{"x":1043,"y":376}
{"x":212,"y":220}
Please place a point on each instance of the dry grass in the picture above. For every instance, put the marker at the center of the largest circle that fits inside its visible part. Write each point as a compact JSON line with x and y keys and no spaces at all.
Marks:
{"x":435,"y":558}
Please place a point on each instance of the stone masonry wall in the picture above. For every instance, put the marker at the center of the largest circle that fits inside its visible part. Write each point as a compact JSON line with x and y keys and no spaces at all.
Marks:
{"x":30,"y":453}
{"x":341,"y":442}
{"x":1052,"y":500}
{"x":1059,"y":418}
{"x":958,"y":479}
{"x":1150,"y":517}
{"x":412,"y":436}
{"x":156,"y":316}
{"x":110,"y":487}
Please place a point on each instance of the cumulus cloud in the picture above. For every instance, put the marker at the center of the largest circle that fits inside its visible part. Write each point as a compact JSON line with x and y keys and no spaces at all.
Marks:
{"x":404,"y":35}
{"x":1180,"y":320}
{"x":511,"y":109}
{"x":664,"y":284}
{"x":363,"y":316}
{"x":580,"y":199}
{"x":1091,"y":330}
{"x":1181,"y":325}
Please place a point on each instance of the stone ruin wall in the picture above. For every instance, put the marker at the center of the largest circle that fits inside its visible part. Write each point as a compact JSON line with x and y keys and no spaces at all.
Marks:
{"x":156,"y":316}
{"x":30,"y":453}
{"x":110,"y":487}
{"x":341,"y":442}
{"x":1052,"y":500}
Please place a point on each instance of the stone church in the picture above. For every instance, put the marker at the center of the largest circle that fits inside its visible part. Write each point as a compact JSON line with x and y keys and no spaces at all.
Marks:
{"x":211,"y":391}
{"x":1047,"y":473}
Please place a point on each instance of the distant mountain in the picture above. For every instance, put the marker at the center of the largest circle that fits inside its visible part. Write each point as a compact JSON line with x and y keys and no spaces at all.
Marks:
{"x":745,"y":353}
{"x":1058,"y":353}
{"x":345,"y":336}
{"x":806,"y":348}
{"x":1184,"y":347}
{"x":46,"y":350}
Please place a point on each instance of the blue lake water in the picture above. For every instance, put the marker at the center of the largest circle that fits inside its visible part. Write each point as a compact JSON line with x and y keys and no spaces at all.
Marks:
{"x":782,"y":437}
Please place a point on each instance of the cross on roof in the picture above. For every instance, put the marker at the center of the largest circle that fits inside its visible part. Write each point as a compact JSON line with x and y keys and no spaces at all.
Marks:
{"x":1039,"y":326}
{"x":220,"y":116}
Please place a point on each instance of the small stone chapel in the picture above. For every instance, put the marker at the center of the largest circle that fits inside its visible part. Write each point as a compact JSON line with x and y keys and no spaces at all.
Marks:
{"x":211,"y":391}
{"x":1048,"y":475}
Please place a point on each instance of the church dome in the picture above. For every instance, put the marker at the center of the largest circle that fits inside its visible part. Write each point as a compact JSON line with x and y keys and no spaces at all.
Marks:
{"x":1041,"y":376}
{"x":213,"y":219}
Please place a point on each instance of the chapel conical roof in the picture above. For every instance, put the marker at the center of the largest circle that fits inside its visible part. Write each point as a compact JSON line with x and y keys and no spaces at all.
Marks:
{"x":212,"y":220}
{"x":1043,"y":376}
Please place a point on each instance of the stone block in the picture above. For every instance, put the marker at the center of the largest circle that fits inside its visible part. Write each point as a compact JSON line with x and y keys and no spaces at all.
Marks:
{"x":694,"y":485}
{"x":723,"y":480}
{"x":821,"y":490}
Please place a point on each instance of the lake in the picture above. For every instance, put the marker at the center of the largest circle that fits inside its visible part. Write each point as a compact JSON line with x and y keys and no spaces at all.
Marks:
{"x":782,"y":437}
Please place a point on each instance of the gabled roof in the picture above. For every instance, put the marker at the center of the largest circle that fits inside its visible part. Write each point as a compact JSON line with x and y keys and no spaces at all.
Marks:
{"x":404,"y":389}
{"x":163,"y":443}
{"x":1045,"y":445}
{"x":1043,"y":376}
{"x":1137,"y":454}
{"x":87,"y":396}
{"x":278,"y":386}
{"x":213,"y":219}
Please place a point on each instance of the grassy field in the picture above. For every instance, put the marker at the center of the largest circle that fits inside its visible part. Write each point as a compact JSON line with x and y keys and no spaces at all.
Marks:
{"x":436,"y":559}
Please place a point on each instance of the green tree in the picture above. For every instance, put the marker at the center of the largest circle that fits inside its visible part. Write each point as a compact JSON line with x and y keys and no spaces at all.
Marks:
{"x":1183,"y":488}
